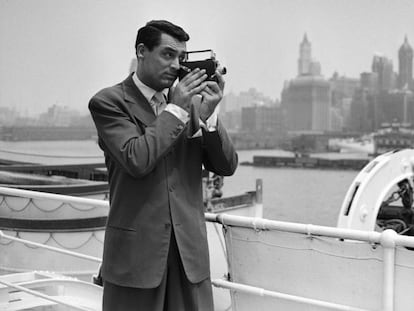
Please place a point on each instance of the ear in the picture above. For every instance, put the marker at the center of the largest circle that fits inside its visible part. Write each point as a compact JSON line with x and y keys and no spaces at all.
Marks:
{"x":141,"y":48}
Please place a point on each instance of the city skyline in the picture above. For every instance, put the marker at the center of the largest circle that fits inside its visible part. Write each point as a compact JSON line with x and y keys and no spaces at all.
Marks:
{"x":62,"y":52}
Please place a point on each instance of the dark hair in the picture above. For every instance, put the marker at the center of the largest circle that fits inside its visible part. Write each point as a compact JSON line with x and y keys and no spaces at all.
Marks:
{"x":150,"y":34}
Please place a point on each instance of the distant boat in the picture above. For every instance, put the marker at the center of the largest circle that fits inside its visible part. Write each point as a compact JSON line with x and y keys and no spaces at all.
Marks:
{"x":363,"y":145}
{"x":60,"y":174}
{"x":47,"y":291}
{"x":55,"y":184}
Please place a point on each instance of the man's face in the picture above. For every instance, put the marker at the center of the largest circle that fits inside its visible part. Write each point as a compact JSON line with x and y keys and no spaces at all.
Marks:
{"x":159,"y":68}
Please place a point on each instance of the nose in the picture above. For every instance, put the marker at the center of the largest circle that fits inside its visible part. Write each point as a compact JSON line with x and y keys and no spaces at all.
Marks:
{"x":175,"y":63}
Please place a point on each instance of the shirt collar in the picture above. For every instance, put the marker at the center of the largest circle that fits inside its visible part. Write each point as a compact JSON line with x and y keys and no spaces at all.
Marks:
{"x":146,"y":90}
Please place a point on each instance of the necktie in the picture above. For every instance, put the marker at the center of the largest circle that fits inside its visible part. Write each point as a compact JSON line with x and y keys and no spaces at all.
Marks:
{"x":158,"y":101}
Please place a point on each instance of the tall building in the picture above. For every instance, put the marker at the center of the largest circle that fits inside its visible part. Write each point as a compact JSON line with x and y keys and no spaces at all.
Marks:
{"x":306,"y":102}
{"x":306,"y":99}
{"x":305,"y":56}
{"x":262,"y":119}
{"x":405,"y":66}
{"x":382,"y":66}
{"x":307,"y":65}
{"x":342,"y":92}
{"x":232,"y":105}
{"x":369,"y":82}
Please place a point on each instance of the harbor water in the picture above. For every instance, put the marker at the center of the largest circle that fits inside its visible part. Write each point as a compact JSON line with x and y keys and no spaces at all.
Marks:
{"x":289,"y":194}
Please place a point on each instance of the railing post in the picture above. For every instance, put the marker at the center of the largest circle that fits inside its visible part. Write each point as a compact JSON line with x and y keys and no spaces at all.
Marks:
{"x":259,"y":191}
{"x":388,"y":238}
{"x":259,"y":198}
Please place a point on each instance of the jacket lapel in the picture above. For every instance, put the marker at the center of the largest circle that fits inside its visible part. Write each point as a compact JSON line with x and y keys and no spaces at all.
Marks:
{"x":140,"y":107}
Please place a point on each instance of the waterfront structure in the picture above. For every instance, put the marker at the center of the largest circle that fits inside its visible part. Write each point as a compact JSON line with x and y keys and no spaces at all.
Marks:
{"x":58,"y":115}
{"x":306,"y":99}
{"x":262,"y":119}
{"x":30,"y":133}
{"x":261,"y":128}
{"x":232,"y":105}
{"x":405,"y":66}
{"x":395,"y":106}
{"x":393,"y":136}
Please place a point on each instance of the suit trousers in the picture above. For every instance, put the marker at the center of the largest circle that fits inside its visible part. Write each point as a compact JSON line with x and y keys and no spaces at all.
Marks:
{"x":175,"y":293}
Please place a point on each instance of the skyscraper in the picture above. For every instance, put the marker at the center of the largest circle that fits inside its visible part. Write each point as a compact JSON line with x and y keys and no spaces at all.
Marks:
{"x":405,"y":70}
{"x":306,"y":98}
{"x":305,"y":57}
{"x":384,"y":68}
{"x":307,"y":65}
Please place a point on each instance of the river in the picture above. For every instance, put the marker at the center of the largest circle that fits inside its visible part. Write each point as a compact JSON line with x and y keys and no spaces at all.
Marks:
{"x":293,"y":194}
{"x":289,"y":194}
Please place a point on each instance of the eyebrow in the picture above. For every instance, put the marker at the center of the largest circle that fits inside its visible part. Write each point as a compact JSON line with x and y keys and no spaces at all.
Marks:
{"x":171,"y":49}
{"x":168,"y":48}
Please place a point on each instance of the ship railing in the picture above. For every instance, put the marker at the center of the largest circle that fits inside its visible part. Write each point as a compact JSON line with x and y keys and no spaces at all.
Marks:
{"x":52,"y":197}
{"x":388,"y":239}
{"x":254,"y":198}
{"x":6,"y":191}
{"x":21,"y":193}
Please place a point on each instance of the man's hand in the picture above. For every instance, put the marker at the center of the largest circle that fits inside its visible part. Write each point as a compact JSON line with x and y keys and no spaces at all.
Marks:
{"x":211,"y":96}
{"x":193,"y":83}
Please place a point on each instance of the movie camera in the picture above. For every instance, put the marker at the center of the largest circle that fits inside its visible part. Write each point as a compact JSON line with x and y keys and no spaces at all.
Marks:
{"x":210,"y":64}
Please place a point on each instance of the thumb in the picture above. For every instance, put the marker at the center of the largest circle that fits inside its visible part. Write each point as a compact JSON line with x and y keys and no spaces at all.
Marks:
{"x":170,"y":93}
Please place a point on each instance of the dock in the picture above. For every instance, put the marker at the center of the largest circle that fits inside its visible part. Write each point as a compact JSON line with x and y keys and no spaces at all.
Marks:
{"x":308,"y":162}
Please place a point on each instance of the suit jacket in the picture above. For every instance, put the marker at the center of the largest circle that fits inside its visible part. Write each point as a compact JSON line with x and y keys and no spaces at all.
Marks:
{"x":155,"y":183}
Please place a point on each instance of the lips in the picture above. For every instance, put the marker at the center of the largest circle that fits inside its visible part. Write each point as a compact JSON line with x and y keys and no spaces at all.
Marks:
{"x":170,"y":76}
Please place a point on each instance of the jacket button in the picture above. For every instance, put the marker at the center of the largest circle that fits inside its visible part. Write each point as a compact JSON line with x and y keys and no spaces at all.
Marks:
{"x":167,"y":226}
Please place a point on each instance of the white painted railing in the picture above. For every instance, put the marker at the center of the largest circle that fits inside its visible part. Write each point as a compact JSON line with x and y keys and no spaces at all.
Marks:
{"x":389,"y":240}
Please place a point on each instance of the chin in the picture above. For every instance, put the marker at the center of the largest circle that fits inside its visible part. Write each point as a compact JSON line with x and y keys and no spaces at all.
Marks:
{"x":168,"y":82}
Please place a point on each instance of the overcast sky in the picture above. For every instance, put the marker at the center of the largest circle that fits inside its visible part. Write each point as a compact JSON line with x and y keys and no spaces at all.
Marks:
{"x":64,"y":51}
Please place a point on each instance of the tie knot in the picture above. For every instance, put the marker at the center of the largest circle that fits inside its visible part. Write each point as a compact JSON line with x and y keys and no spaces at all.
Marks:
{"x":159,"y":98}
{"x":158,"y":102}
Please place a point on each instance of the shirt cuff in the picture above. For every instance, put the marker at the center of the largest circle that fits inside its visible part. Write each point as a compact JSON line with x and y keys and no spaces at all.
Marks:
{"x":177,"y":111}
{"x":211,"y":123}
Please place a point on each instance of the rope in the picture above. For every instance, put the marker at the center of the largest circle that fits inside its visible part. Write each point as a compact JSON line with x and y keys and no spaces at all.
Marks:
{"x":55,"y":249}
{"x":32,"y":202}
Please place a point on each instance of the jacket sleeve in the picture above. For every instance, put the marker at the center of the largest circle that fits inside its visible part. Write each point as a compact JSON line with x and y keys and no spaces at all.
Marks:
{"x":219,"y":155}
{"x":136,"y":147}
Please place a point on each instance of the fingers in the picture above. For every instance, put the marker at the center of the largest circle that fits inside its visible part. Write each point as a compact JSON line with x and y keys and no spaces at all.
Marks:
{"x":214,"y":86}
{"x":220,"y":79}
{"x":208,"y":91}
{"x":194,"y":78}
{"x":199,"y":89}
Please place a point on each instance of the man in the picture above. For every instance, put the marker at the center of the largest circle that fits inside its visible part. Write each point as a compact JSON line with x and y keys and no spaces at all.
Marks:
{"x":155,"y":251}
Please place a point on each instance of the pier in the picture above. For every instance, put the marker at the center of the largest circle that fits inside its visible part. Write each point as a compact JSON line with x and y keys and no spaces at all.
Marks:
{"x":307,"y":162}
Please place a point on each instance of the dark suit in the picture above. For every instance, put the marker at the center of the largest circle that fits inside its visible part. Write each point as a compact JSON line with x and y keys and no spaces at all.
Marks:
{"x":154,"y":171}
